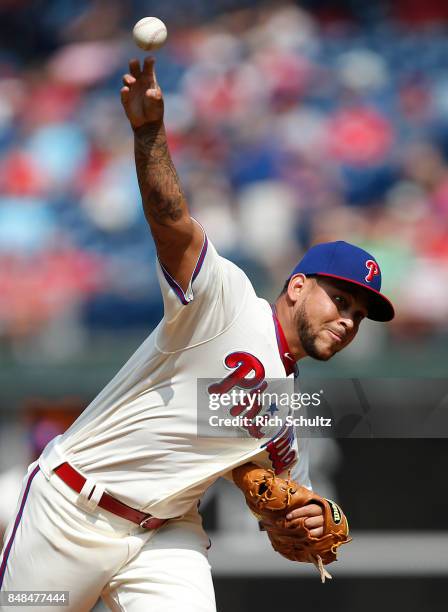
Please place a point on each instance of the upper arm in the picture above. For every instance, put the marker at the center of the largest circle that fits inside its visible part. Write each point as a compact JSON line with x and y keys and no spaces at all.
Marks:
{"x":179,"y":246}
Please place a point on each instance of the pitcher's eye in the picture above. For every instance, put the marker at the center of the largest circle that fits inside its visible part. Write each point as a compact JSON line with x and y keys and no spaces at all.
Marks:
{"x":340,"y":300}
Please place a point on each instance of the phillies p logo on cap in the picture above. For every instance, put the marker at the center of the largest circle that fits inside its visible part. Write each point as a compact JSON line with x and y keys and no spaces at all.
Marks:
{"x":373,"y":269}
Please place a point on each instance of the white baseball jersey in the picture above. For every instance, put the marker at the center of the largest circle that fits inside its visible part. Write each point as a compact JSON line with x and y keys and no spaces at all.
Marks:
{"x":138,"y":439}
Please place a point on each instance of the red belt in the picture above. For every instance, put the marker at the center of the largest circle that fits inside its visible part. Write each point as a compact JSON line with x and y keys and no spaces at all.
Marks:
{"x":76,"y":481}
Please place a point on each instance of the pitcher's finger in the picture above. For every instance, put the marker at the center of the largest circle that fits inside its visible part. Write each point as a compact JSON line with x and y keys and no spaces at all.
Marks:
{"x":309,"y":510}
{"x":153,"y":94}
{"x":128,"y":80}
{"x":317,"y":533}
{"x":149,"y":71}
{"x":124,"y":95}
{"x":315,"y":521}
{"x":134,"y":68}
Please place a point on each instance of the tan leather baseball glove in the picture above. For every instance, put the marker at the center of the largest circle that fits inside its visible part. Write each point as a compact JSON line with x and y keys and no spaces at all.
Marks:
{"x":271,"y":498}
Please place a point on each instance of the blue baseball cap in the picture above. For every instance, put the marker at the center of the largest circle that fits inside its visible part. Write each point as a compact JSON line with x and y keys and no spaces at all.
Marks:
{"x":347,"y":262}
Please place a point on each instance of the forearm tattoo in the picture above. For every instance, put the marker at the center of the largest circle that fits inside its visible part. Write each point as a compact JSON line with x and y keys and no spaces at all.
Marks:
{"x":163,"y":200}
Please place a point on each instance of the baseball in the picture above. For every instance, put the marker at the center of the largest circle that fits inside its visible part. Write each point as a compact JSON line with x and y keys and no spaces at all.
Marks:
{"x":150,"y":33}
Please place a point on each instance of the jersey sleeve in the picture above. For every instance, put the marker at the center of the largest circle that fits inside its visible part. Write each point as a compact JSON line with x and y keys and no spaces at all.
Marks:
{"x":212,"y":300}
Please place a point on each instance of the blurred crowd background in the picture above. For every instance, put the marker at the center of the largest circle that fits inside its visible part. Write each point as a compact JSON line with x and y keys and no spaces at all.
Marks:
{"x":289,"y":124}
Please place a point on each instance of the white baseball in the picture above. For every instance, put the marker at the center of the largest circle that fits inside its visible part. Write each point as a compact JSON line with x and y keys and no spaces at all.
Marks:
{"x":150,"y":33}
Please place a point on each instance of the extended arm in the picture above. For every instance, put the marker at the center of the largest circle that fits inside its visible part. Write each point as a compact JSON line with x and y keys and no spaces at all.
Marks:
{"x":177,"y":237}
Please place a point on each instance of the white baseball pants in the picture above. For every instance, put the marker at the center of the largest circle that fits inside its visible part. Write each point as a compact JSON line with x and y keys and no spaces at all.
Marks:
{"x":53,"y":544}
